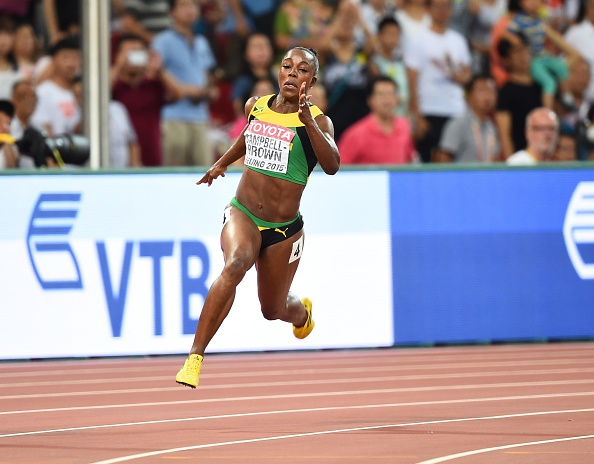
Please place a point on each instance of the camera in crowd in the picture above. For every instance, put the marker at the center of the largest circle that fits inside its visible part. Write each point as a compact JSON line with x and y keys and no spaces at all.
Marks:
{"x":62,"y":149}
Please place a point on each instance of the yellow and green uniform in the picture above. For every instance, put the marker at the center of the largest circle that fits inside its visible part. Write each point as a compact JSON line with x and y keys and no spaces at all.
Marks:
{"x":277,"y":145}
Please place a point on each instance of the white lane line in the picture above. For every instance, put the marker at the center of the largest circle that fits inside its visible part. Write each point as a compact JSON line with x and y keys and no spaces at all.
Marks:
{"x":334,"y":369}
{"x":451,"y":457}
{"x":328,"y":432}
{"x":222,"y":361}
{"x":301,"y":373}
{"x":288,"y":411}
{"x":301,"y":395}
{"x":415,"y":403}
{"x":325,"y":381}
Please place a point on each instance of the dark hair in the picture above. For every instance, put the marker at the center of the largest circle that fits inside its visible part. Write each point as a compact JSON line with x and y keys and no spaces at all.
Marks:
{"x":387,"y":21}
{"x":315,"y":55}
{"x":371,"y":84}
{"x":504,"y":46}
{"x":69,"y":43}
{"x":7,"y":108}
{"x":20,"y":82}
{"x":474,"y":79}
{"x":130,"y":38}
{"x":513,"y":6}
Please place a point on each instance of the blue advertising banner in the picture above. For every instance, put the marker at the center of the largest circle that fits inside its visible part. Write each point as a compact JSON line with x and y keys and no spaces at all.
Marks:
{"x":483,"y":256}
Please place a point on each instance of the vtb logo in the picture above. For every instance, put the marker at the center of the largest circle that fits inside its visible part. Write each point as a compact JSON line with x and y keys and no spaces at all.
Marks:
{"x":52,"y":258}
{"x":578,"y":230}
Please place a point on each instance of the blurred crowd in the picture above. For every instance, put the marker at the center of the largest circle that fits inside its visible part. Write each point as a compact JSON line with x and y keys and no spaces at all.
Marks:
{"x":404,"y":81}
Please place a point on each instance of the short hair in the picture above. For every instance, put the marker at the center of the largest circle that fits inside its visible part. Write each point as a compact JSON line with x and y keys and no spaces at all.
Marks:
{"x":475,"y":78}
{"x":313,"y":52}
{"x":371,"y":84}
{"x":7,"y":24}
{"x":20,"y":82}
{"x":69,"y":43}
{"x":7,"y":108}
{"x":387,"y":21}
{"x":504,"y":46}
{"x":130,"y":38}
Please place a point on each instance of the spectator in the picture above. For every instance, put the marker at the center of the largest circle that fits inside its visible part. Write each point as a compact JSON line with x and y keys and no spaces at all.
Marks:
{"x":242,"y":18}
{"x":9,"y":73}
{"x":566,"y":149}
{"x":481,"y":28}
{"x":140,"y":84}
{"x":258,"y":60}
{"x":439,"y":66}
{"x":372,"y":12}
{"x":581,"y":37}
{"x":496,"y":65}
{"x":16,"y":9}
{"x":381,"y":137}
{"x":345,"y":73}
{"x":124,"y":150}
{"x":145,"y":18}
{"x":517,"y":97}
{"x":8,"y":154}
{"x":254,"y":16}
{"x":546,"y":69}
{"x":189,"y":59}
{"x":464,"y":13}
{"x":386,"y":61}
{"x":62,"y":18}
{"x":25,"y":50}
{"x":301,"y":22}
{"x":542,"y":127}
{"x":24,"y":100}
{"x":472,"y":137}
{"x":413,"y":18}
{"x":57,"y":111}
{"x":572,"y":107}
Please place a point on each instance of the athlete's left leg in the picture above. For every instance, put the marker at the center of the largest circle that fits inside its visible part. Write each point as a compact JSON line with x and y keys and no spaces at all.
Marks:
{"x":276,"y":267}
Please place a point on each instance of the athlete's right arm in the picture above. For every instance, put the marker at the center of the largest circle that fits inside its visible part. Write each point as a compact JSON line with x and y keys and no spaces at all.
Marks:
{"x":236,"y":151}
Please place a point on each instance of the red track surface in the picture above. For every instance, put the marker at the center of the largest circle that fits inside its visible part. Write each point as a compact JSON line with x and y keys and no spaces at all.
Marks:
{"x":491,"y":404}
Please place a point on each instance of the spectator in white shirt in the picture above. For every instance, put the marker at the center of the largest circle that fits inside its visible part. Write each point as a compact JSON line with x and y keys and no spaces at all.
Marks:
{"x":438,"y":65}
{"x":581,"y":36}
{"x":57,"y":111}
{"x":542,"y":129}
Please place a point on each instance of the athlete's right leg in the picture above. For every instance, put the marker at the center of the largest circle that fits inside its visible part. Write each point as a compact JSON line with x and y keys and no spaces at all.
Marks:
{"x":240,"y":241}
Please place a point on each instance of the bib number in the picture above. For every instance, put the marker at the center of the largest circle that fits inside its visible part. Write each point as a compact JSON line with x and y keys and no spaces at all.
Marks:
{"x":268,"y":146}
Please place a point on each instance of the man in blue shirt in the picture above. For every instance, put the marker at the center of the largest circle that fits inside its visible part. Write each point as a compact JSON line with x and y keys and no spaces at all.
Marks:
{"x":189,"y":59}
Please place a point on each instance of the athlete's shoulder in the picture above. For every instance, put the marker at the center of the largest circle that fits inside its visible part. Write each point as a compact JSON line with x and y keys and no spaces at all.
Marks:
{"x":257,"y":104}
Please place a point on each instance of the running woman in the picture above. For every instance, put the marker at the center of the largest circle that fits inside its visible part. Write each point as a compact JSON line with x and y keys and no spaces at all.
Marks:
{"x":285,"y":137}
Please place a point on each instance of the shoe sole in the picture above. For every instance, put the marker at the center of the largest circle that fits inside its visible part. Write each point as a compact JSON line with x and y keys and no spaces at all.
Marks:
{"x":186,"y":385}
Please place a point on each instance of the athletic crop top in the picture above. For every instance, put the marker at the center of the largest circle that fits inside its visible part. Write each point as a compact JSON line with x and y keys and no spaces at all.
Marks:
{"x":277,"y":145}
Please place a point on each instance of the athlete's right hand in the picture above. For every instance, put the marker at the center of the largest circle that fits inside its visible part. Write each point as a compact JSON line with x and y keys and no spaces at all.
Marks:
{"x":214,"y":172}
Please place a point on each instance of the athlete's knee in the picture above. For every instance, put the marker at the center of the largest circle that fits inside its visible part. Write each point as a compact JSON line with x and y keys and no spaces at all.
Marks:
{"x":236,"y":268}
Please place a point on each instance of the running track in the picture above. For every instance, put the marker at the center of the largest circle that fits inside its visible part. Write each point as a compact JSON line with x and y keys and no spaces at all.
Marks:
{"x":480,"y":404}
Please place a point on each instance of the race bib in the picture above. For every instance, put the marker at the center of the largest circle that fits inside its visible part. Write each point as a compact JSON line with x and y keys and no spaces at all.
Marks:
{"x":267,"y":146}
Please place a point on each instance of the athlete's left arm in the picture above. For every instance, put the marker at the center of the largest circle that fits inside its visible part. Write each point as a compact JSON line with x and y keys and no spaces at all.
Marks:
{"x":321,"y":135}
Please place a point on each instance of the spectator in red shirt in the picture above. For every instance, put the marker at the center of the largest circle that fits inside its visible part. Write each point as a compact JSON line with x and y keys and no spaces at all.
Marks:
{"x":139,"y":83}
{"x":380,"y":137}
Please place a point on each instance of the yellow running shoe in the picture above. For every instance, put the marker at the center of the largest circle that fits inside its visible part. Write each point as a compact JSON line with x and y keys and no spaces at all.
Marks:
{"x":188,"y":375}
{"x":305,"y":330}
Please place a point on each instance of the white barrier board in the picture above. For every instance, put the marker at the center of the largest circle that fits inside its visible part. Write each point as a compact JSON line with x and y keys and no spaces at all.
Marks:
{"x":115,"y":264}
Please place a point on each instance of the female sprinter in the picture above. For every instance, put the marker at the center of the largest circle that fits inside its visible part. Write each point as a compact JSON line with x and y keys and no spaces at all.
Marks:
{"x":284,"y":139}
